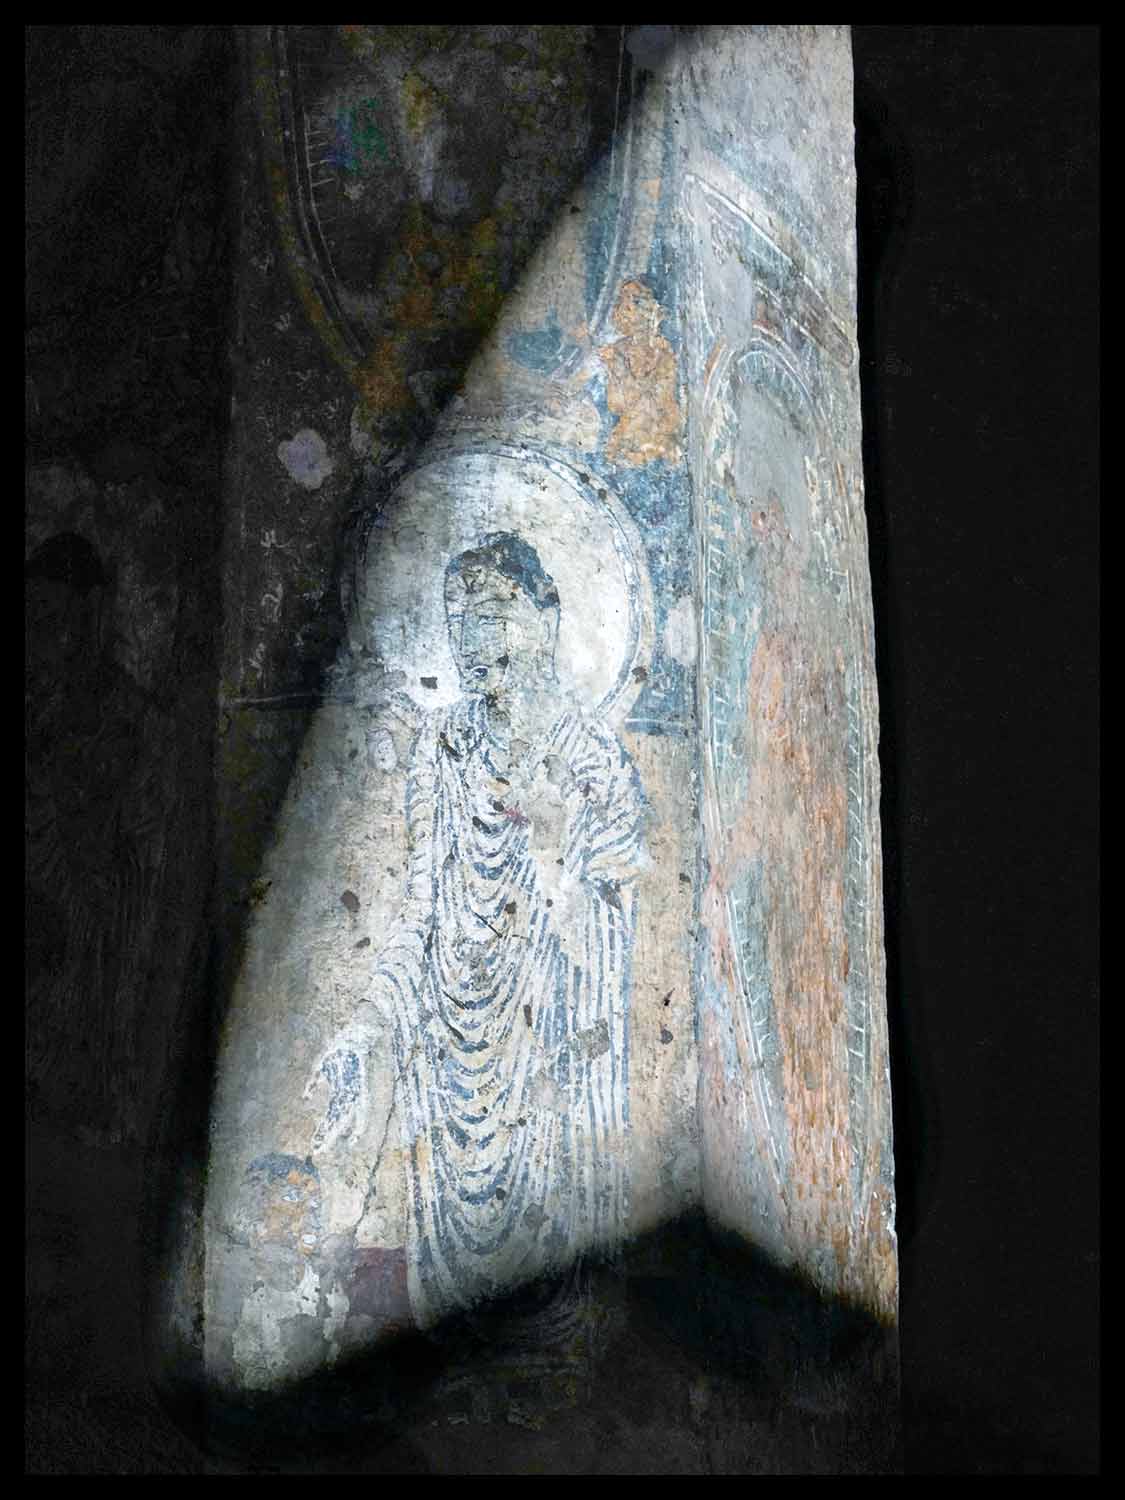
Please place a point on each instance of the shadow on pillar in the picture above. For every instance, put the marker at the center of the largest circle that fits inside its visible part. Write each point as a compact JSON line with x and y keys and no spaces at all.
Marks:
{"x":713,"y":1360}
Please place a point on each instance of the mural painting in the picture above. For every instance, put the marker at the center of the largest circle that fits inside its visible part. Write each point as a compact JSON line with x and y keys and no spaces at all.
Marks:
{"x":505,"y":979}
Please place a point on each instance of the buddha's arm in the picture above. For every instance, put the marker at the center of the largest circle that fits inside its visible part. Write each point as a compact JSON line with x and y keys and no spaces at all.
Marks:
{"x":587,"y":843}
{"x":398,"y":971}
{"x":607,"y":844}
{"x":400,"y":965}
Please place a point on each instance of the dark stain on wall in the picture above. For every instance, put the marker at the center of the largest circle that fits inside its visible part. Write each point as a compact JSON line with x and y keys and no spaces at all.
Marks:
{"x":129,"y":245}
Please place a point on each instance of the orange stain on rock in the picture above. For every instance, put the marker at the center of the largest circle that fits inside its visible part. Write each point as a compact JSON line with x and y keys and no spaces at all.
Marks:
{"x":641,"y":382}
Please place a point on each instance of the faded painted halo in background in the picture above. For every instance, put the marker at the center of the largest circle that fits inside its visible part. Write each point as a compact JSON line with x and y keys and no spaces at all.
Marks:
{"x":375,"y":174}
{"x":585,"y":541}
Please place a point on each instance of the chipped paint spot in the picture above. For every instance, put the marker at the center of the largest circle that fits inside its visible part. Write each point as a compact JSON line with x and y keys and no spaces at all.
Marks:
{"x":261,"y":1348}
{"x":382,"y":751}
{"x":305,"y":459}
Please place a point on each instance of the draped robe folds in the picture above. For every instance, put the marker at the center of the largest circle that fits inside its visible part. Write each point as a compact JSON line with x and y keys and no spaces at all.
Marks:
{"x":509,"y":987}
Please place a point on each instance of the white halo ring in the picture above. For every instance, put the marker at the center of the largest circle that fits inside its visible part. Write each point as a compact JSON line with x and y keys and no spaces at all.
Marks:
{"x":585,"y":540}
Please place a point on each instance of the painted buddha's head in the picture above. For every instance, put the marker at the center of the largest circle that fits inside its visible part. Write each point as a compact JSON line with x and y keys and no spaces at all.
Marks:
{"x":502,"y":610}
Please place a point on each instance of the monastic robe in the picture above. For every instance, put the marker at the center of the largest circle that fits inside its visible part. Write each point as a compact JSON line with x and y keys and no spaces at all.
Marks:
{"x":509,"y":983}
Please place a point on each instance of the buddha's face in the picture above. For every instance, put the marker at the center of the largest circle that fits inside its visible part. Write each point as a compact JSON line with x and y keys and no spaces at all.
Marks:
{"x":500,"y":641}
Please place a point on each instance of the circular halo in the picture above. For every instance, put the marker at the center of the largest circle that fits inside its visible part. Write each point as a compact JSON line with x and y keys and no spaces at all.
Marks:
{"x":585,"y":541}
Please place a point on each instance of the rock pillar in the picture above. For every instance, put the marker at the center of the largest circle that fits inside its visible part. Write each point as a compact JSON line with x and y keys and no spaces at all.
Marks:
{"x":548,"y":784}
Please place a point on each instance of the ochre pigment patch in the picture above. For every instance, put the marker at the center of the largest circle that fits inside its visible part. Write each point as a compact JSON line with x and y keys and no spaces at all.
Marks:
{"x":641,"y":382}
